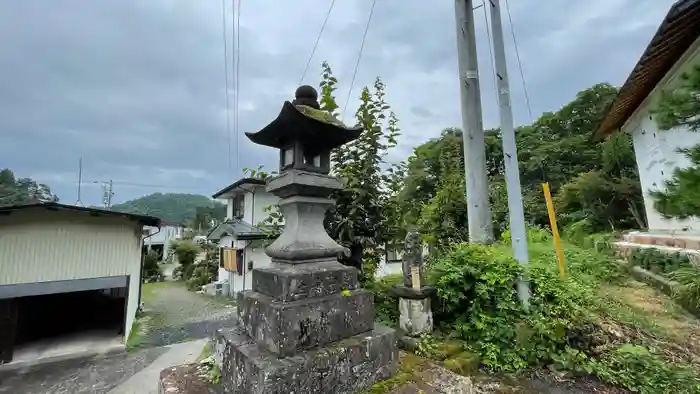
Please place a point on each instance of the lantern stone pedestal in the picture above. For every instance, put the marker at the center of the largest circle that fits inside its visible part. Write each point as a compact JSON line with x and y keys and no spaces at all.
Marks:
{"x":306,"y":326}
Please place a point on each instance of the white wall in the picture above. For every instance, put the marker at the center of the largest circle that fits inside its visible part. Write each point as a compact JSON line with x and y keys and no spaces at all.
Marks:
{"x":255,"y":205}
{"x":229,"y":208}
{"x":39,"y":246}
{"x":655,"y":150}
{"x":255,"y":252}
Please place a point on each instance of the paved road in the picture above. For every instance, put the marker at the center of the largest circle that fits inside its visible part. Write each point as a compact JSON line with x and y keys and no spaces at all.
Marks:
{"x":126,"y":373}
{"x":178,"y":317}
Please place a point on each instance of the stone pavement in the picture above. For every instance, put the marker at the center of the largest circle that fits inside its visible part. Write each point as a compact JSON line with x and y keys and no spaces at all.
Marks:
{"x":125,"y":373}
{"x":179,"y":315}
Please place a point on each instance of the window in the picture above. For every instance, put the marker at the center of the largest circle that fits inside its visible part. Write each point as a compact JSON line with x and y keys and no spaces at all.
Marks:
{"x":394,"y":253}
{"x":239,"y":206}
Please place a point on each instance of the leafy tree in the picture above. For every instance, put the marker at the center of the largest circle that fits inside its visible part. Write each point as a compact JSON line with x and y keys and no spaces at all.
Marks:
{"x":22,"y":190}
{"x":608,"y":198}
{"x":681,"y":107}
{"x":258,"y":172}
{"x":358,"y":220}
{"x":556,"y":149}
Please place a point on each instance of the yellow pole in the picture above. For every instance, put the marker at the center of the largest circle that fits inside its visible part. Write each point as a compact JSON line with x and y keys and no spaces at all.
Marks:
{"x":555,"y":230}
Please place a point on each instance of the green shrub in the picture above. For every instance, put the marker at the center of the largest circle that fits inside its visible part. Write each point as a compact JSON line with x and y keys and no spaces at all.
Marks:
{"x":186,"y":252}
{"x":534,"y":234}
{"x":386,"y":304}
{"x":151,"y":269}
{"x":658,"y":262}
{"x":478,"y":302}
{"x":687,"y":292}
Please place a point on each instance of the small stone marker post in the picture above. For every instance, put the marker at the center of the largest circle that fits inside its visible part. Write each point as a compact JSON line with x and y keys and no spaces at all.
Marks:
{"x":306,"y":326}
{"x":416,"y":316}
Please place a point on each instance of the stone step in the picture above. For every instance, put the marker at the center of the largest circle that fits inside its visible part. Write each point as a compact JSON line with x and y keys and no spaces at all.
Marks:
{"x":683,"y":241}
{"x":624,"y":249}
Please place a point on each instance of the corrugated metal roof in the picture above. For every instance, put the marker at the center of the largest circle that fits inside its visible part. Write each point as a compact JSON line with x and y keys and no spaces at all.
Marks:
{"x":143,"y":219}
{"x":679,"y":30}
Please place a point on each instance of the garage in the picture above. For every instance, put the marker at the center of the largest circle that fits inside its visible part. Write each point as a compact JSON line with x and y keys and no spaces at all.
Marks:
{"x":69,"y":280}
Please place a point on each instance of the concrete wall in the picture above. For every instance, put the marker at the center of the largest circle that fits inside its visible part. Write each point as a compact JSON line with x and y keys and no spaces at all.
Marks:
{"x":655,"y":150}
{"x":39,"y":245}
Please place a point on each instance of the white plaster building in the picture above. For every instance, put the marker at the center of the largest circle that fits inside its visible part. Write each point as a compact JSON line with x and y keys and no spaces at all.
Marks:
{"x":246,"y":202}
{"x":247,"y":205}
{"x":67,"y":270}
{"x":675,"y":49}
{"x":161,"y":238}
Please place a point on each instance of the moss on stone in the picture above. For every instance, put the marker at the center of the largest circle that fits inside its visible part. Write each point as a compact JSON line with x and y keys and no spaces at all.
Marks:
{"x":409,"y":365}
{"x":465,"y":363}
{"x":445,"y":350}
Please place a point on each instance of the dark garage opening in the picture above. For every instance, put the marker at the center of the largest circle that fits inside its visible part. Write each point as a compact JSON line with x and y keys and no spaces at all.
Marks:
{"x":53,"y":325}
{"x":54,"y":315}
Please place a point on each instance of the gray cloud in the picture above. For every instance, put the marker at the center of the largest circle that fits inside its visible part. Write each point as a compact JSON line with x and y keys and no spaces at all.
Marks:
{"x":137,"y":87}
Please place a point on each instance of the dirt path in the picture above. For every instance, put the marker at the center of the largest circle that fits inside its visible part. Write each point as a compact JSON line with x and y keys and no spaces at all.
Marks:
{"x":173,"y":314}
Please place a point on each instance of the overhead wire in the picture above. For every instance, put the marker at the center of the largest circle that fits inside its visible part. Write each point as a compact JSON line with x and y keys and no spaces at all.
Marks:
{"x":520,"y":64}
{"x":228,"y":116}
{"x":237,"y":83}
{"x":359,"y":56}
{"x":490,"y":44}
{"x":318,"y":39}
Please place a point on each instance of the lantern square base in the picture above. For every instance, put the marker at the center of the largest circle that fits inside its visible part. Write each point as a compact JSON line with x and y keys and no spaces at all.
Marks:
{"x":349,"y":366}
{"x":284,"y":328}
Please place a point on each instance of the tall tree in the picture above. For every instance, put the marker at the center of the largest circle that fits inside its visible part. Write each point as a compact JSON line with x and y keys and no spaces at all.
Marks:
{"x":556,"y":149}
{"x":681,"y":107}
{"x":358,"y":220}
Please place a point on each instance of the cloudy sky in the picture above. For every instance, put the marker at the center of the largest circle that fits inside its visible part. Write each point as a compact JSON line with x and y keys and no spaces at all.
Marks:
{"x":136,"y":87}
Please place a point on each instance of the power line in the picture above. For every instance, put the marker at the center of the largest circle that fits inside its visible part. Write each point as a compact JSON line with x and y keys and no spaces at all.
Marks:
{"x":237,"y":54}
{"x":122,"y":183}
{"x":520,"y":64}
{"x":228,"y":117}
{"x":493,"y":64}
{"x":318,"y":39}
{"x":359,"y":56}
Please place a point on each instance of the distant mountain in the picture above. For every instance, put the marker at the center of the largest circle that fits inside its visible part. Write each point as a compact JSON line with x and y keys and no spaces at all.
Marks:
{"x":174,"y":207}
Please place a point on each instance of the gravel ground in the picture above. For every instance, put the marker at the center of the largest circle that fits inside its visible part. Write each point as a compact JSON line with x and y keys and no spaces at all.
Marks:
{"x":95,"y":375}
{"x":177,"y":315}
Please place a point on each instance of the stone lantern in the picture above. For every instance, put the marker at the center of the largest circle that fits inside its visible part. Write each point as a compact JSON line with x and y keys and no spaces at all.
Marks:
{"x":306,"y":326}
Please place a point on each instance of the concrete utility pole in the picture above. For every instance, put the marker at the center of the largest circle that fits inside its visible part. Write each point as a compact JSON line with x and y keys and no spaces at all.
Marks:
{"x":478,"y":208}
{"x":510,"y":151}
{"x":107,"y":194}
{"x":79,"y":202}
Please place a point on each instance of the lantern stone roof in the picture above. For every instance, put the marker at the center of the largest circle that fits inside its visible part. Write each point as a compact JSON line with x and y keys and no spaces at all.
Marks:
{"x":303,"y":121}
